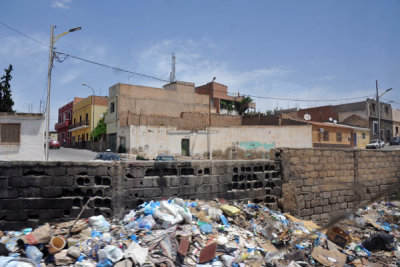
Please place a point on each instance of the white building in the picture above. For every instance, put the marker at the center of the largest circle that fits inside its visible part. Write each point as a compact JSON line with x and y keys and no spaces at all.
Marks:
{"x":225,"y":142}
{"x":21,"y":136}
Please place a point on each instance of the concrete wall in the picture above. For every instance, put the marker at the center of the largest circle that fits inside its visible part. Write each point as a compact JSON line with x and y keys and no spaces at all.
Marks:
{"x":321,"y":183}
{"x":396,"y":121}
{"x":226,"y":142}
{"x":31,"y":146}
{"x":32,"y":193}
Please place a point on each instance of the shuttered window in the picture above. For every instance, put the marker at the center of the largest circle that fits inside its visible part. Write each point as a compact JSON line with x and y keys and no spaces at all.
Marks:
{"x":10,"y":133}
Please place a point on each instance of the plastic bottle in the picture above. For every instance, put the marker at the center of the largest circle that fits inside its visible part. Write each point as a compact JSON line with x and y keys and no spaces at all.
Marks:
{"x":104,"y":263}
{"x":34,"y":254}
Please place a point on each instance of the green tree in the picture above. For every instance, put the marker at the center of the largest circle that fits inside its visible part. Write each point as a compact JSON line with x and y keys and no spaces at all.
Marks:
{"x":6,"y":102}
{"x":243,"y":105}
{"x":100,"y":129}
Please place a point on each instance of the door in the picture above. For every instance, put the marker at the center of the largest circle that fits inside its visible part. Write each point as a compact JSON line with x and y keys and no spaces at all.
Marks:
{"x":355,"y":139}
{"x":185,"y":147}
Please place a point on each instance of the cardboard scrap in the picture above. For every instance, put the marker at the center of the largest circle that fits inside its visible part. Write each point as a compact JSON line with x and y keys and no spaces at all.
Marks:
{"x":183,"y":246}
{"x":230,"y":210}
{"x":310,"y":225}
{"x":328,"y":257}
{"x":371,"y":220}
{"x":338,"y":236}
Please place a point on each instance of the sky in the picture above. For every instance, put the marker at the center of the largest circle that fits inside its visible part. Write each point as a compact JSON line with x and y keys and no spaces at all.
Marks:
{"x":272,"y":51}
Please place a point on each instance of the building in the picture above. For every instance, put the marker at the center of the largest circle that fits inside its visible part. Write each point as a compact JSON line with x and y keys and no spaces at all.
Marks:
{"x":362,"y":114}
{"x":177,"y":104}
{"x":53,"y":135}
{"x":21,"y":136}
{"x":86,"y":113}
{"x":64,"y":121}
{"x":396,"y":121}
{"x":220,"y":100}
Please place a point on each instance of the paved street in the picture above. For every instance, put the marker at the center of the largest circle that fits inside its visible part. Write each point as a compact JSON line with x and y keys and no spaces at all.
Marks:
{"x":70,"y":154}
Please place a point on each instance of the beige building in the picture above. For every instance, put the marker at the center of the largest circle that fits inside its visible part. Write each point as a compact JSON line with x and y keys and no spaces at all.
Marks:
{"x":141,"y":105}
{"x":396,"y":122}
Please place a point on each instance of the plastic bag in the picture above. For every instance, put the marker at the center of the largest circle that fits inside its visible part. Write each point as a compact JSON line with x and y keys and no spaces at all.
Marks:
{"x":147,"y":222}
{"x":99,"y":223}
{"x":111,"y":252}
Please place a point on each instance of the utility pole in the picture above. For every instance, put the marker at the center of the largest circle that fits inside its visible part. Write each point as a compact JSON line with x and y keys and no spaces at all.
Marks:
{"x":211,"y":93}
{"x":53,"y":39}
{"x":48,"y":91}
{"x":172,"y":75}
{"x":379,"y":111}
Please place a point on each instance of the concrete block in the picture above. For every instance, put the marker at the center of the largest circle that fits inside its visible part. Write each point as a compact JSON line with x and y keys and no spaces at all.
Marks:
{"x":327,"y":208}
{"x":151,"y":192}
{"x":51,"y":192}
{"x":203,"y":189}
{"x":29,"y":192}
{"x":135,"y":172}
{"x":6,"y":193}
{"x":326,"y":194}
{"x":195,"y":180}
{"x":317,"y":210}
{"x":169,"y":191}
{"x":333,"y":200}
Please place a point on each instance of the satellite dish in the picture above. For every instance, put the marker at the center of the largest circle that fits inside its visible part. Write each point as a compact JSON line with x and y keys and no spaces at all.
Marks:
{"x":330,"y":119}
{"x":307,"y":117}
{"x":334,"y":121}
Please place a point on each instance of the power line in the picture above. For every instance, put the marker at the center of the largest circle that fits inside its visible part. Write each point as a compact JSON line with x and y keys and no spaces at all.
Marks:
{"x":111,"y":67}
{"x":23,"y":34}
{"x":66,"y":55}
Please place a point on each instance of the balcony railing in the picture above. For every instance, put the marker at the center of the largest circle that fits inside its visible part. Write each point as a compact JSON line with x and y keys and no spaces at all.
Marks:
{"x":79,"y":124}
{"x":63,"y":124}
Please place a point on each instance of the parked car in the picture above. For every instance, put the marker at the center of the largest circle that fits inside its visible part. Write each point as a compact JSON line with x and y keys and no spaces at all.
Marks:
{"x":54,"y":144}
{"x":395,"y":141}
{"x":164,"y":158}
{"x":108,"y":156}
{"x":375,"y":144}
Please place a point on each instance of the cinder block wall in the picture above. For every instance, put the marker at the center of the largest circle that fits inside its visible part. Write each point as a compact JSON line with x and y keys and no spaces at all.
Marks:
{"x":32,"y":193}
{"x":320,"y":183}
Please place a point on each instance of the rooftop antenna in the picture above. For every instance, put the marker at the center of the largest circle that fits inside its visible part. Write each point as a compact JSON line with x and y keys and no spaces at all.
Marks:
{"x":172,"y":75}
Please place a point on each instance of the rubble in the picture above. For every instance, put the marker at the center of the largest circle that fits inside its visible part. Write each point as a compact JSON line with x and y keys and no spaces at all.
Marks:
{"x":209,"y":233}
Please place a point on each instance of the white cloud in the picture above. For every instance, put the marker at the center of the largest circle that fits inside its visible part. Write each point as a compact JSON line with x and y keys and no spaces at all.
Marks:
{"x":60,"y":3}
{"x":69,"y":76}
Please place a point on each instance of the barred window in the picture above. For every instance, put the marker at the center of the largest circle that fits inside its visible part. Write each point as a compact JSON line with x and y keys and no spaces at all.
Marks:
{"x":326,"y":135}
{"x":10,"y":133}
{"x":338,"y":137}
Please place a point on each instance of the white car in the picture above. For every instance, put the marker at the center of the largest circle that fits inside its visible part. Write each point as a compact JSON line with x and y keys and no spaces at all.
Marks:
{"x":375,"y":144}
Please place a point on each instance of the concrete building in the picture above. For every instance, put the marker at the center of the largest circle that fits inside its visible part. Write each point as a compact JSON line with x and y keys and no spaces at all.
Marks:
{"x":177,"y":104}
{"x":220,"y":100}
{"x":244,"y":142}
{"x":362,"y":114}
{"x":396,"y":121}
{"x":64,"y":121}
{"x":21,"y":136}
{"x":86,"y":113}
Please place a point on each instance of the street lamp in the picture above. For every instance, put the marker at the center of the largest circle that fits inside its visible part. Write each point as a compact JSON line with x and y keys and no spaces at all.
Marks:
{"x":88,"y":86}
{"x":379,"y":111}
{"x":53,"y":40}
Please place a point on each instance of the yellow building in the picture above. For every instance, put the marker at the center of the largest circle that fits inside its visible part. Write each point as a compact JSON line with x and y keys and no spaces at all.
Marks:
{"x":361,"y":137}
{"x":85,"y":116}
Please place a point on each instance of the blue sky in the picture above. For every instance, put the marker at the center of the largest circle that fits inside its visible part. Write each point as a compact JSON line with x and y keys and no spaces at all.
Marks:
{"x":310,"y":49}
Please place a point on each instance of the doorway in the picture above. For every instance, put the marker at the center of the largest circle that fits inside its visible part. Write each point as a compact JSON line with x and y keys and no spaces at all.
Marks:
{"x":185,"y":147}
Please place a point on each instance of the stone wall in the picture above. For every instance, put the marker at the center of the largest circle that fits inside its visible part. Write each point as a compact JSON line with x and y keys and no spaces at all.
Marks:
{"x":32,"y":193}
{"x":318,"y":183}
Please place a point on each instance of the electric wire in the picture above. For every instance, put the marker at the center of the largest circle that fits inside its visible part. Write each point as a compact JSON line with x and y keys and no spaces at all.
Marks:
{"x":67,"y":55}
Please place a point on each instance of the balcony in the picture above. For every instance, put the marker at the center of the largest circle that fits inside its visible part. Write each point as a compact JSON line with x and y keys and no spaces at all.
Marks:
{"x":63,"y":124}
{"x":78,"y":125}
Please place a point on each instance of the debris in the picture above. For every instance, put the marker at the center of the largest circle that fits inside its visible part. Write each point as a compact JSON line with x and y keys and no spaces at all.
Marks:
{"x":175,"y":232}
{"x":338,"y":236}
{"x":380,"y":241}
{"x":230,"y":210}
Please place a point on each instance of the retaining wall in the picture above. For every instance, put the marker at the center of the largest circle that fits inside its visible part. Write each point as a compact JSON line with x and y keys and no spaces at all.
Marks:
{"x":321,"y":183}
{"x":32,"y":193}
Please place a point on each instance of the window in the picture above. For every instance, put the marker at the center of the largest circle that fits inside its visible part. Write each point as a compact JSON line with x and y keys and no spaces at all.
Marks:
{"x":112,"y":107}
{"x":10,"y":133}
{"x":69,"y":135}
{"x":373,"y":107}
{"x":87,"y":117}
{"x":397,"y":130}
{"x":74,"y":120}
{"x":64,"y":115}
{"x":326,"y":135}
{"x":376,"y":127}
{"x":59,"y":118}
{"x":87,"y":136}
{"x":63,"y":137}
{"x":69,"y":115}
{"x":387,"y":110}
{"x":363,"y":135}
{"x":338,"y":137}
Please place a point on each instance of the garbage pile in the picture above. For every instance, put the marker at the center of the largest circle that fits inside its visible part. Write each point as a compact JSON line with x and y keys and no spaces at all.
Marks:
{"x":208,"y":233}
